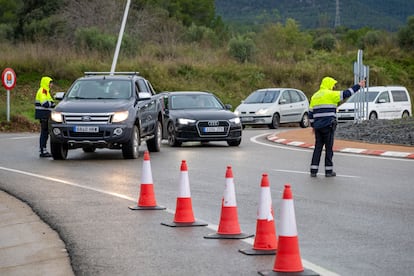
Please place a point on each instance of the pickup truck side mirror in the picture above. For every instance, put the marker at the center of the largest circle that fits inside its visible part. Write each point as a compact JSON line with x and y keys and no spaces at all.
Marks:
{"x":59,"y":95}
{"x":228,"y":106}
{"x":144,"y":95}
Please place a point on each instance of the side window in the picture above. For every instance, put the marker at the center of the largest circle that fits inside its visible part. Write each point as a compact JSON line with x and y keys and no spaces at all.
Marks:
{"x":294,"y":95}
{"x":399,"y":96}
{"x":142,"y":86}
{"x":384,"y":97}
{"x":285,"y":98}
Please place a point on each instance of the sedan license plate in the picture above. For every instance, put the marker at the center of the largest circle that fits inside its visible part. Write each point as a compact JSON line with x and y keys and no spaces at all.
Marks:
{"x":89,"y":129}
{"x":214,"y":129}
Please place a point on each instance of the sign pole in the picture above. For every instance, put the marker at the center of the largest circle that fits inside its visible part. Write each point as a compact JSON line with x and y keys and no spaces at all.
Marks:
{"x":8,"y":105}
{"x":8,"y":78}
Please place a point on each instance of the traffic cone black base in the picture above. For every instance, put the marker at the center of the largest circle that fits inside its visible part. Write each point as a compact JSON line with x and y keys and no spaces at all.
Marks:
{"x":147,"y":207}
{"x":228,"y":236}
{"x":252,"y":251}
{"x":184,"y":224}
{"x":305,"y":272}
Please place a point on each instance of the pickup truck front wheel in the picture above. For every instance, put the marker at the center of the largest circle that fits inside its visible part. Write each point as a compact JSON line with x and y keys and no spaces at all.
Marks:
{"x":59,"y":150}
{"x":130,"y":150}
{"x":154,"y":144}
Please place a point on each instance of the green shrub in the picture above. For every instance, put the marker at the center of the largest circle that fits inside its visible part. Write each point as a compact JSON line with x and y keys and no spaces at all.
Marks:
{"x":242,"y":48}
{"x":325,"y":42}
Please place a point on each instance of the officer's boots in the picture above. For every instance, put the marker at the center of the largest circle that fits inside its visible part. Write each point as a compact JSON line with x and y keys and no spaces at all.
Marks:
{"x":44,"y":153}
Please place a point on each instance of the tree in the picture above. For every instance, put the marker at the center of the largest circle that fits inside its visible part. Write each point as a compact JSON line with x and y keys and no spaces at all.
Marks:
{"x":39,"y":20}
{"x":199,"y":12}
{"x":406,"y":35}
{"x":8,"y":18}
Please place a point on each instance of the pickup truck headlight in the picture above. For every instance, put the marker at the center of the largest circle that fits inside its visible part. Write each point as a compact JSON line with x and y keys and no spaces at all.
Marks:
{"x":119,"y":116}
{"x":183,"y":121}
{"x":57,"y":116}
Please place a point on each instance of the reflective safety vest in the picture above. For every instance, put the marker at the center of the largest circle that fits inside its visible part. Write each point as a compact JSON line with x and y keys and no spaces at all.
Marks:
{"x":323,"y":104}
{"x":44,"y":101}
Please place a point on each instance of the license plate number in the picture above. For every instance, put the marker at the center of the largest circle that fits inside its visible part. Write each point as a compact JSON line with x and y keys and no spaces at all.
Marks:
{"x":214,"y":129}
{"x":89,"y":129}
{"x":247,"y":119}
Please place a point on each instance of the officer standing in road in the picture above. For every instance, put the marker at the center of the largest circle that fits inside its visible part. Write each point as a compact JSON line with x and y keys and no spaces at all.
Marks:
{"x":44,"y":104}
{"x":322,"y":116}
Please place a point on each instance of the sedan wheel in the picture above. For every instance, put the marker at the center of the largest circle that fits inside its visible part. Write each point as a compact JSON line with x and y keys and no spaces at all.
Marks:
{"x":172,"y":139}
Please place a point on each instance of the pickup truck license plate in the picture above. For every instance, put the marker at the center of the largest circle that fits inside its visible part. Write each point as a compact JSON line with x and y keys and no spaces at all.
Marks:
{"x":214,"y":129}
{"x":89,"y":129}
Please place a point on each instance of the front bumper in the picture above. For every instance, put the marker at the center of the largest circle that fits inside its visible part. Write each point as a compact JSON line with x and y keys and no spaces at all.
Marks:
{"x":105,"y":136}
{"x":256,"y":120}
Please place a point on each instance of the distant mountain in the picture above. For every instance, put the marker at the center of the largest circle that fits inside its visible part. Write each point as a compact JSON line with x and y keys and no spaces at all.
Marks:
{"x":354,"y":14}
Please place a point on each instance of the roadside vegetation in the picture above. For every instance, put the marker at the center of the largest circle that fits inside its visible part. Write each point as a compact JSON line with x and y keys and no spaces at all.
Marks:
{"x":177,"y":49}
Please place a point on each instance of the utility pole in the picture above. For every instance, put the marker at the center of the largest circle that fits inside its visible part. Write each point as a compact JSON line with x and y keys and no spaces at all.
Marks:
{"x":121,"y":33}
{"x":337,"y":15}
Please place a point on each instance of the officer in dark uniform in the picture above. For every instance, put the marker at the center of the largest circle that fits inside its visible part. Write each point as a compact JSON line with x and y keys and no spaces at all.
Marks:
{"x":44,"y":104}
{"x":322,"y":116}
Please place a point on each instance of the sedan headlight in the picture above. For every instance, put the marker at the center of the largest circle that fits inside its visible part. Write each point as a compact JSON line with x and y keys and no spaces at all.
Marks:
{"x":235,"y":120}
{"x":183,"y":121}
{"x":120,"y":116}
{"x":57,"y":116}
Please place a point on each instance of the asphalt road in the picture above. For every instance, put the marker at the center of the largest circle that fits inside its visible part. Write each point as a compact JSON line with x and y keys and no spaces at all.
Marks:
{"x":359,"y":223}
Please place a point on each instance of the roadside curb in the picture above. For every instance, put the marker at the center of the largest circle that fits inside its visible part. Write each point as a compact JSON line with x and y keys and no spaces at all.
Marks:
{"x":276,"y":139}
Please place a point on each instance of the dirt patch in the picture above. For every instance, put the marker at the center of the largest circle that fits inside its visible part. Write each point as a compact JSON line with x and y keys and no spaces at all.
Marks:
{"x":19,"y":123}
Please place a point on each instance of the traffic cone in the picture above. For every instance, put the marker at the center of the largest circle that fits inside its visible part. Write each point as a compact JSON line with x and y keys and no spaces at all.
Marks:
{"x":288,"y":260}
{"x":146,"y":200}
{"x":184,"y":216}
{"x":265,"y":242}
{"x":229,"y":227}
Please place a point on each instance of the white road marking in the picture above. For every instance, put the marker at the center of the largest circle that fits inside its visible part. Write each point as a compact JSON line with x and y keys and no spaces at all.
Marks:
{"x":213,"y":227}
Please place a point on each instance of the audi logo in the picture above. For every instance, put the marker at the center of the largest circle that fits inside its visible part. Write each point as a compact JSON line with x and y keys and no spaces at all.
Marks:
{"x":213,"y":123}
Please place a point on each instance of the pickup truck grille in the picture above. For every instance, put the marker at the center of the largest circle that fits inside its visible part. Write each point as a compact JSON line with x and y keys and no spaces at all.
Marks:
{"x":87,"y":118}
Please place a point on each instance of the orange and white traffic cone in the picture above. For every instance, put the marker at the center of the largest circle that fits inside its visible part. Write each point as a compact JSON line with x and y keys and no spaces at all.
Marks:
{"x":229,"y":227}
{"x":265,"y":242}
{"x":184,"y":216}
{"x":288,"y":260}
{"x":146,"y":200}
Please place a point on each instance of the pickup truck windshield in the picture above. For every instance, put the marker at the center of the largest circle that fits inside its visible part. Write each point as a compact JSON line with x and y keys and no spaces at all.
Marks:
{"x":100,"y":89}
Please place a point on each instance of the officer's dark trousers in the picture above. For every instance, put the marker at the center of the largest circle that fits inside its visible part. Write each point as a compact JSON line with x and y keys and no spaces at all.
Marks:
{"x":323,"y":137}
{"x":44,"y":134}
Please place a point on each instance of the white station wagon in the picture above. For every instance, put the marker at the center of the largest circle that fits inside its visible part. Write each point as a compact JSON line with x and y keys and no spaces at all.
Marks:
{"x":381,"y":102}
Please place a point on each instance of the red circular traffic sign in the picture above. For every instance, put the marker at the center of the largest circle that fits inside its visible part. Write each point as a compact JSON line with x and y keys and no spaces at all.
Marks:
{"x":8,"y":78}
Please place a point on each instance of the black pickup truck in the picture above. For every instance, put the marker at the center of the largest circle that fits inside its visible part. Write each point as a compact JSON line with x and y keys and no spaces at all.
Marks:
{"x":106,"y":110}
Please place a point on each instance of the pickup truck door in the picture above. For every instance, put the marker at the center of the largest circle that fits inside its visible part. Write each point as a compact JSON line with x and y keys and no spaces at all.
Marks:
{"x":147,"y":106}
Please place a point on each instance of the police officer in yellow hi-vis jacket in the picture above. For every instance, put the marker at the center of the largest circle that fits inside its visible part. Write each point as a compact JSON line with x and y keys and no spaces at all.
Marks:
{"x":43,"y":106}
{"x":322,"y":116}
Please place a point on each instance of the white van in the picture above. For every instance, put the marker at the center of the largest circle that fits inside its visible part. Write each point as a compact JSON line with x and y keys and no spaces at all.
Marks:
{"x":273,"y":106}
{"x":382,"y":102}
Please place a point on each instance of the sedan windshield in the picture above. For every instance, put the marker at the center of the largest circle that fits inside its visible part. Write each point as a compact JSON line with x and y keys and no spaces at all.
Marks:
{"x":200,"y":101}
{"x":358,"y":97}
{"x":262,"y":96}
{"x":100,"y":89}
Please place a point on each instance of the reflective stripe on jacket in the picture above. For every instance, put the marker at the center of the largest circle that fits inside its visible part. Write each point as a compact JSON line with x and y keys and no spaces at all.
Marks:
{"x":323,"y":104}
